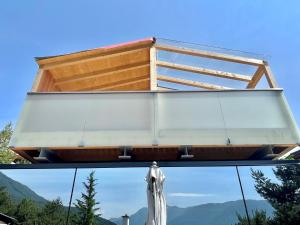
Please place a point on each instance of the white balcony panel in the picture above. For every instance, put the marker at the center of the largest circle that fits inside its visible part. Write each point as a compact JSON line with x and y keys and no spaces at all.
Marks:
{"x":75,"y":120}
{"x":245,"y":117}
{"x":190,"y":118}
{"x":216,"y":117}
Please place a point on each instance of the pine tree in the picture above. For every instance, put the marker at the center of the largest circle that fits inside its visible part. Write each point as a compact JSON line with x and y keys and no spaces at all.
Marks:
{"x":6,"y":155}
{"x":7,"y":206}
{"x":258,"y":218}
{"x":284,"y":195}
{"x":53,"y":213}
{"x":27,"y":212}
{"x":87,"y":205}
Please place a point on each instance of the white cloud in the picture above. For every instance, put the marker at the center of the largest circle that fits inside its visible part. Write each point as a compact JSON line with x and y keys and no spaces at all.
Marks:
{"x":189,"y":194}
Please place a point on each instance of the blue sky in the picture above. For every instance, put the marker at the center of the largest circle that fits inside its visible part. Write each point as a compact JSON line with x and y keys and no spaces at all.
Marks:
{"x":39,"y":28}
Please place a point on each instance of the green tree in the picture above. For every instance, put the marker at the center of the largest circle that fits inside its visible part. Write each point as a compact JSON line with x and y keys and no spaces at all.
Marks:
{"x":27,"y":213}
{"x":258,"y":218}
{"x":87,"y":205}
{"x":284,"y":195}
{"x":6,"y":155}
{"x":53,"y":213}
{"x":7,"y":206}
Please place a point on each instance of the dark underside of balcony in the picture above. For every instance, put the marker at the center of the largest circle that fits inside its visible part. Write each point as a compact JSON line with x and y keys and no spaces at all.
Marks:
{"x":141,"y":154}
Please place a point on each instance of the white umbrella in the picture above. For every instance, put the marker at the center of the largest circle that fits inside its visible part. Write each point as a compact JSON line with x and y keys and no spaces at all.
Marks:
{"x":157,"y":209}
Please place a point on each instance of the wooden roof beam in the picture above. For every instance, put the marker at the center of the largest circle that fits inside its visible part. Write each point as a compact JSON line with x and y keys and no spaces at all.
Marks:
{"x":256,"y":77}
{"x":131,"y":83}
{"x":216,"y":73}
{"x":90,"y":57}
{"x":269,"y":75}
{"x":120,"y":83}
{"x":264,"y":69}
{"x":211,"y":55}
{"x":101,"y":73}
{"x":190,"y":83}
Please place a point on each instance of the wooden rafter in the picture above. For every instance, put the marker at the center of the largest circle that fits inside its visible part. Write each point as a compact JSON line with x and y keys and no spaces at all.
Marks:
{"x":256,"y":77}
{"x":101,"y":64}
{"x":79,"y":57}
{"x":269,"y":75}
{"x":144,"y":79}
{"x":101,"y":73}
{"x":103,"y":82}
{"x":216,"y":73}
{"x":212,"y":55}
{"x":190,"y":83}
{"x":45,"y":82}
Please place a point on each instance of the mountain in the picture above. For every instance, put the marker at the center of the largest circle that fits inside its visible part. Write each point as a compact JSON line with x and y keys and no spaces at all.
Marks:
{"x":19,"y":191}
{"x":205,"y":214}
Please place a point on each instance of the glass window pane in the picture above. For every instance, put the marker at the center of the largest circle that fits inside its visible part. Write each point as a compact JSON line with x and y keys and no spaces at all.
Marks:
{"x":36,"y":196}
{"x":273,"y":192}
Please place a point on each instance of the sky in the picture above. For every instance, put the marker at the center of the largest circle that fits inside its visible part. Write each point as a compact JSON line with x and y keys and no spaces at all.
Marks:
{"x":34,"y":28}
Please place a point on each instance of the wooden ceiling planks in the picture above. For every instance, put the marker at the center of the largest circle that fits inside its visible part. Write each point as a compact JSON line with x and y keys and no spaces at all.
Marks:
{"x":101,"y":64}
{"x":46,"y":83}
{"x":96,"y":82}
{"x":134,"y":85}
{"x":74,"y":58}
{"x":98,"y":72}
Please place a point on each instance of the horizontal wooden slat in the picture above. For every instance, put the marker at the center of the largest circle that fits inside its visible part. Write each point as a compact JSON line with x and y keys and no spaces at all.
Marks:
{"x":102,"y":73}
{"x":133,"y":85}
{"x":105,"y":64}
{"x":212,"y":55}
{"x":104,"y":81}
{"x":216,"y":73}
{"x":190,"y":83}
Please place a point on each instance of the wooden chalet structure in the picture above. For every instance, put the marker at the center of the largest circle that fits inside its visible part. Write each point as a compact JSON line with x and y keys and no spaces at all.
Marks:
{"x":147,"y":100}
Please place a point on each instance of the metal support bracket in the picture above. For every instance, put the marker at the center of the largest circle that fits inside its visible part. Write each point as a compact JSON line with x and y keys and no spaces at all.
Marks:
{"x":265,"y":153}
{"x":185,"y":152}
{"x":46,"y":156}
{"x":126,"y":150}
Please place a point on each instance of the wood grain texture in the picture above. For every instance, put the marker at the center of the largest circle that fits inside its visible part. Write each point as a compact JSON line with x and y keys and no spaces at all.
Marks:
{"x":199,"y":70}
{"x":256,"y":77}
{"x":212,"y":55}
{"x":83,"y":56}
{"x":190,"y":83}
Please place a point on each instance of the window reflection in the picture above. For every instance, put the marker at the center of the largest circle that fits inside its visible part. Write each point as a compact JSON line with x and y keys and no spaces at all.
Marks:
{"x":277,"y":189}
{"x":195,"y":196}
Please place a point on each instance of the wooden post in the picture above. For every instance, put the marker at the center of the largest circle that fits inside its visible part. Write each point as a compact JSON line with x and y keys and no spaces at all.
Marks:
{"x":269,"y":75}
{"x":153,"y":69}
{"x":37,"y":80}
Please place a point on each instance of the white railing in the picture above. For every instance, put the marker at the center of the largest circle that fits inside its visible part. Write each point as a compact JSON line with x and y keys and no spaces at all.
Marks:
{"x":238,"y":117}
